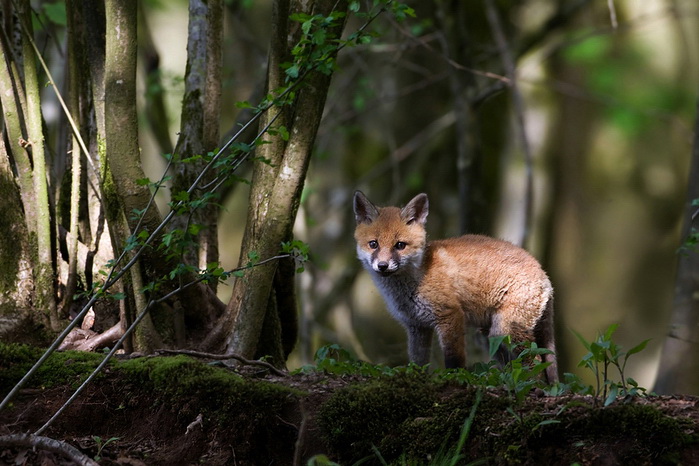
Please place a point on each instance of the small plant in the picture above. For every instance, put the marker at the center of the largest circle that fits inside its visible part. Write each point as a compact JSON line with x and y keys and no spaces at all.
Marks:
{"x":604,"y":353}
{"x":518,"y":376}
{"x":101,"y":444}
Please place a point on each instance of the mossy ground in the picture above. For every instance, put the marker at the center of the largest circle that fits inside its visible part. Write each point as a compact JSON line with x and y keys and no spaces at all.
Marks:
{"x":249,"y":417}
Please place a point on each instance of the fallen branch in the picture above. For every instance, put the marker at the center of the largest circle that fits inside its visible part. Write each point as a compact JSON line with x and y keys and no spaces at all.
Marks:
{"x":248,"y":362}
{"x":49,"y":444}
{"x":87,"y":340}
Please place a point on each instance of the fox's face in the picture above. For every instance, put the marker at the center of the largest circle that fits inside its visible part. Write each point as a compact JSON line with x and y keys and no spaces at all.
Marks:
{"x":389,"y":238}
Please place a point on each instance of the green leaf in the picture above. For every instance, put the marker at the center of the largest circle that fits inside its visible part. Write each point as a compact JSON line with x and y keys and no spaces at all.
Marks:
{"x":319,"y":37}
{"x":194,"y":229}
{"x":638,"y":348}
{"x":181,"y":196}
{"x":547,"y":422}
{"x":284,"y":133}
{"x":300,"y":17}
{"x":292,"y":71}
{"x":610,"y":331}
{"x":495,"y":343}
{"x":308,"y":24}
{"x":611,"y":396}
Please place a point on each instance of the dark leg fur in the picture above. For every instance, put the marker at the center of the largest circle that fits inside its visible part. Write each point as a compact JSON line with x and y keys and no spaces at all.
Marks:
{"x":419,"y":344}
{"x":545,"y":338}
{"x":451,"y":331}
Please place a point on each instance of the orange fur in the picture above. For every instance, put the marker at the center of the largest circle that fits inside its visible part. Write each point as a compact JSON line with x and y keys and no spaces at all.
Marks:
{"x":447,"y":284}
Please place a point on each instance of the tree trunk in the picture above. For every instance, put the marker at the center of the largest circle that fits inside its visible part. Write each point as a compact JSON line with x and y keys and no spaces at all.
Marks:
{"x":43,"y":269}
{"x":679,"y":361}
{"x":199,"y":133}
{"x":122,"y":151}
{"x":16,"y":283}
{"x":275,"y":193}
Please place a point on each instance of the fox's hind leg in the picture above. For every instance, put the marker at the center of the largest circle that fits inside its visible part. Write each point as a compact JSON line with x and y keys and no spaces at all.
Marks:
{"x":541,"y":333}
{"x":545,"y":338}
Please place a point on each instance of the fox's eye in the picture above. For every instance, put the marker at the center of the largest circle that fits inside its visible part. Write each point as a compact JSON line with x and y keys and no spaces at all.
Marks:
{"x":400,"y":245}
{"x":373,"y":244}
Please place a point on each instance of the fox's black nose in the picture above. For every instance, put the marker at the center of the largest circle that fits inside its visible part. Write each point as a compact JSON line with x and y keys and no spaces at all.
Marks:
{"x":383,"y":266}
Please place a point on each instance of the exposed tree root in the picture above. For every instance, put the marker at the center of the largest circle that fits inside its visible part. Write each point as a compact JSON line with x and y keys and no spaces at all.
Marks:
{"x":248,"y":362}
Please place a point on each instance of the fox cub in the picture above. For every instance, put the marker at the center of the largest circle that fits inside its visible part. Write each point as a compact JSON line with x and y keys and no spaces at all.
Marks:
{"x":446,"y":284}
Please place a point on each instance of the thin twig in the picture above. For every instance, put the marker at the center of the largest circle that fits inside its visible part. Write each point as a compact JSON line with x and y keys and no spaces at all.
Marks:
{"x":237,"y":357}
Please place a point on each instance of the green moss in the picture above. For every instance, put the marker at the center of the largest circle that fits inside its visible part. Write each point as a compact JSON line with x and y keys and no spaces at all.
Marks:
{"x":69,"y":367}
{"x":657,"y":435}
{"x":436,"y":434}
{"x":370,"y":414}
{"x":222,"y":394}
{"x":174,"y":390}
{"x":637,"y":433}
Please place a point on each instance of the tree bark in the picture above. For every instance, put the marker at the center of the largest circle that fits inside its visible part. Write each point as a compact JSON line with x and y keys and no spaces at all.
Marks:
{"x":122,"y":150}
{"x":199,"y":133}
{"x":44,"y":266}
{"x":276,"y":187}
{"x":679,"y":360}
{"x":75,"y":77}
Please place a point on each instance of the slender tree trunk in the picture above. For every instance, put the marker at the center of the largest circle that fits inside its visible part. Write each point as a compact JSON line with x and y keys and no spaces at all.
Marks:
{"x":122,"y":150}
{"x":44,"y":268}
{"x":199,"y":133}
{"x":679,"y":361}
{"x":275,"y":193}
{"x":74,"y":76}
{"x":16,"y":283}
{"x":16,"y":206}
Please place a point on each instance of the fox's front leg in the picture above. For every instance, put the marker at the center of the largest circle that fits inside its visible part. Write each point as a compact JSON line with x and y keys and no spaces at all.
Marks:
{"x":451,"y":327}
{"x":419,"y":344}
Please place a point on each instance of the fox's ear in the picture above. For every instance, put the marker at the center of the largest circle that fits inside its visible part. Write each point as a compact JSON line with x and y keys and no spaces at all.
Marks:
{"x":416,"y":210}
{"x":364,"y":210}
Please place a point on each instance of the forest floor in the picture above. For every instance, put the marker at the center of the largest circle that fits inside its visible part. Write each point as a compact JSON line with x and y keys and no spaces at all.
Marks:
{"x":176,"y":410}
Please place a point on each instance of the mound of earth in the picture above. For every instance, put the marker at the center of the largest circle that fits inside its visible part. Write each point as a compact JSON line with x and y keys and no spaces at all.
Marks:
{"x":168,"y":410}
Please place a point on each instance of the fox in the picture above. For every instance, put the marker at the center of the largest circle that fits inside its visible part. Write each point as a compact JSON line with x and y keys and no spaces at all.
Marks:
{"x":443,"y":285}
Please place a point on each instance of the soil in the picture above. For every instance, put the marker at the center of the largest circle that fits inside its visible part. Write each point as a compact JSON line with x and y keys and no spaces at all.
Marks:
{"x":120,"y":420}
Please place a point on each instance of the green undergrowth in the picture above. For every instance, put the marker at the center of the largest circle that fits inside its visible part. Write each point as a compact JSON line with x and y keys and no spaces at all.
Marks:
{"x":413,"y":415}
